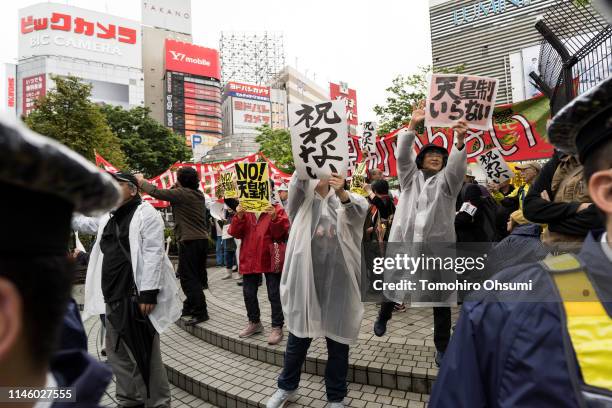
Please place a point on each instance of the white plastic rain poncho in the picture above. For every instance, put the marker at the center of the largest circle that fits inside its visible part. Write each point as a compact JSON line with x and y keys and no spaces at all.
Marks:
{"x":320,"y":283}
{"x":426,"y":207}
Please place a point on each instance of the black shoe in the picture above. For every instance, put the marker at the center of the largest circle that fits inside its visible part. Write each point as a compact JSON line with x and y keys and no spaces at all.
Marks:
{"x":439,"y":357}
{"x":103,"y":352}
{"x":186,"y":313}
{"x":197,"y":319}
{"x":380,"y":326}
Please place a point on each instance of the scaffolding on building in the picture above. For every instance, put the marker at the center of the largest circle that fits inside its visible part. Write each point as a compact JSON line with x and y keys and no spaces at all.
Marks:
{"x":253,"y":58}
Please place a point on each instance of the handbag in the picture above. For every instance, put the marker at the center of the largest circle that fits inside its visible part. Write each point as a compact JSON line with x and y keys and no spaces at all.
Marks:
{"x":277,"y":256}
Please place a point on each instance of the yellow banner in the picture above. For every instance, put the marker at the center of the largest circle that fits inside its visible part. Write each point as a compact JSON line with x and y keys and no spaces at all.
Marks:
{"x":359,"y":179}
{"x":253,"y":182}
{"x":227,"y":181}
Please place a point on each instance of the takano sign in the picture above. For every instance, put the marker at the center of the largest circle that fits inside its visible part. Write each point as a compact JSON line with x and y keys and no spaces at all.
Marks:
{"x":60,"y":30}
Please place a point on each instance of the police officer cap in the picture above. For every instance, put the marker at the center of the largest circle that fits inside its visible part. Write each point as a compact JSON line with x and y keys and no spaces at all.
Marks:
{"x":585,"y":123}
{"x":42,"y":184}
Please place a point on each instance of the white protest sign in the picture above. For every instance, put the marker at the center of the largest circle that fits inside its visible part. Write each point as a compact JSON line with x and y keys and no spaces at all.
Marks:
{"x":368,"y":137}
{"x":319,"y":139}
{"x":494,"y":166}
{"x":454,"y":97}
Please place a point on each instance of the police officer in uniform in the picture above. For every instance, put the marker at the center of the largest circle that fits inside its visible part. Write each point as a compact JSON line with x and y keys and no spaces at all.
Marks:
{"x":550,"y":346}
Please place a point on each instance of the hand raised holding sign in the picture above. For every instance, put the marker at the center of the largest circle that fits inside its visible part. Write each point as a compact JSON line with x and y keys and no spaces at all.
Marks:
{"x":337,"y":183}
{"x":418,"y":115}
{"x":460,"y":128}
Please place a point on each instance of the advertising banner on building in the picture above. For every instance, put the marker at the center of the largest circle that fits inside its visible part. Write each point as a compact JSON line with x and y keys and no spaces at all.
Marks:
{"x":33,"y":88}
{"x":349,"y":96}
{"x":247,"y":115}
{"x":246,"y":91}
{"x":9,"y":89}
{"x":173,"y":15}
{"x":57,"y":29}
{"x":192,"y":59}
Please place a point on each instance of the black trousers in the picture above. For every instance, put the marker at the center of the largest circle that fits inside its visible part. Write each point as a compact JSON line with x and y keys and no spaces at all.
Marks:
{"x":442,"y":323}
{"x":192,"y":261}
{"x":250,"y":284}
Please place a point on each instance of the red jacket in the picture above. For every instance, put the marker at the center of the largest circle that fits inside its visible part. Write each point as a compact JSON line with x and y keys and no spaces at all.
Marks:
{"x":256,"y":237}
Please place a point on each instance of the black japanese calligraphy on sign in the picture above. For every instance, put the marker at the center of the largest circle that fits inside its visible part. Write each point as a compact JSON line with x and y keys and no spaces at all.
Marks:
{"x":228,"y":184}
{"x":461,"y":97}
{"x":319,"y":139}
{"x":368,"y":138}
{"x":495,"y":167}
{"x":253,"y":182}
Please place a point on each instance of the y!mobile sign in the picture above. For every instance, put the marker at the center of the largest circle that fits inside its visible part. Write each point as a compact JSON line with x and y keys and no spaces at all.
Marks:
{"x":192,"y":59}
{"x":246,"y":91}
{"x":56,"y":29}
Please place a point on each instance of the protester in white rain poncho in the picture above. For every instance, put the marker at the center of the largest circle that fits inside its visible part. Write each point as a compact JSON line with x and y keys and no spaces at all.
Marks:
{"x":430,"y":183}
{"x":320,"y":283}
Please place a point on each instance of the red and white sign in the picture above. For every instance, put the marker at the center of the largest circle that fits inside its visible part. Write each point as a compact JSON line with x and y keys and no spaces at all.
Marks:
{"x":33,"y":88}
{"x":247,"y":91}
{"x":192,"y":59}
{"x":349,"y":96}
{"x":56,"y":29}
{"x":247,"y":114}
{"x":10,"y":92}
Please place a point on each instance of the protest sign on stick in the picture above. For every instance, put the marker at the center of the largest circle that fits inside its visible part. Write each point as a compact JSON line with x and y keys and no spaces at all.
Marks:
{"x":368,"y":138}
{"x":358,"y":180}
{"x":494,"y":166}
{"x":253,"y":181}
{"x":454,"y":97}
{"x":227,"y":180}
{"x":319,"y":139}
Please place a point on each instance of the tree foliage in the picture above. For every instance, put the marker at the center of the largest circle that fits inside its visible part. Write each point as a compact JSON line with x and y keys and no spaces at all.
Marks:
{"x":404,"y":93}
{"x":149,"y":146}
{"x":276,"y":145}
{"x":66,"y":114}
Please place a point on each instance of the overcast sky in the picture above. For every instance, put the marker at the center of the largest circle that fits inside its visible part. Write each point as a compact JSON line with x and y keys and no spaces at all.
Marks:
{"x":364,"y":43}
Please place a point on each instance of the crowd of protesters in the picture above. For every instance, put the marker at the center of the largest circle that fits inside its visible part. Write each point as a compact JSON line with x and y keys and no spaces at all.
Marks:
{"x":552,"y":227}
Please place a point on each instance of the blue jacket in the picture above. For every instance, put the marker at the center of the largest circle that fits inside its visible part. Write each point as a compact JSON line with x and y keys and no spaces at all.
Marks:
{"x":510,"y":353}
{"x":72,"y":366}
{"x":523,"y":245}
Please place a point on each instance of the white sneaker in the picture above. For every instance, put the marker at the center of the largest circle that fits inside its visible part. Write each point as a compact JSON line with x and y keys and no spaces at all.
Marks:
{"x":336,"y":405}
{"x":280,"y":398}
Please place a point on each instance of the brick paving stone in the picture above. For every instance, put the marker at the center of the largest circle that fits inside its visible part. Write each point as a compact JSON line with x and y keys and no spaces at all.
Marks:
{"x":227,"y":370}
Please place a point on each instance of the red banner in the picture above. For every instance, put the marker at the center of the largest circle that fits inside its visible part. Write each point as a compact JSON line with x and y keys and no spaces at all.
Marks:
{"x":209,"y":175}
{"x":518,"y":132}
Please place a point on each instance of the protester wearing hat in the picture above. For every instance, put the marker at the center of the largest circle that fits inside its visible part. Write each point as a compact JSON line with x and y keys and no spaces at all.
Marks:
{"x":191,"y":231}
{"x":128,"y":266}
{"x":548,"y":347}
{"x":283,"y":194}
{"x":430,"y":183}
{"x":42,"y":183}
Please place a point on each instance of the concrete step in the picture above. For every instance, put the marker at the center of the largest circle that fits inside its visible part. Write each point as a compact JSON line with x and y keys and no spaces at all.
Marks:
{"x":180,"y":398}
{"x":399,"y":363}
{"x":227,"y":379}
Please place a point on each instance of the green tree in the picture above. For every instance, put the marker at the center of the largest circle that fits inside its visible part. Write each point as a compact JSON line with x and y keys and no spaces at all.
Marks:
{"x":67,"y":115}
{"x":149,"y":146}
{"x":405,"y":92}
{"x":276,"y":145}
